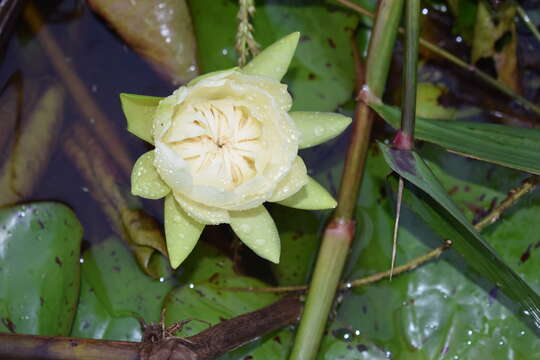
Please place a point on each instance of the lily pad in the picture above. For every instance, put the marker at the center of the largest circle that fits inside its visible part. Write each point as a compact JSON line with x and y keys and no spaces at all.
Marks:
{"x":115,"y":293}
{"x":39,"y":268}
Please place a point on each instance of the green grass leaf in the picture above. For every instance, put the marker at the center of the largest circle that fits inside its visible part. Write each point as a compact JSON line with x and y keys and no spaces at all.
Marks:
{"x":434,"y":206}
{"x":509,"y":146}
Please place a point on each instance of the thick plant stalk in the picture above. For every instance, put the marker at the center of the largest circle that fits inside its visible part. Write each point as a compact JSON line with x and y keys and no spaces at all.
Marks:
{"x":340,"y":231}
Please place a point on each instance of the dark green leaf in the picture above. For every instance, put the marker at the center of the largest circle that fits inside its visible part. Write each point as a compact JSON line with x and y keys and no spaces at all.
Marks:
{"x":514,"y":147}
{"x":39,"y":268}
{"x":434,"y":206}
{"x":114,"y":293}
{"x":321,"y":75}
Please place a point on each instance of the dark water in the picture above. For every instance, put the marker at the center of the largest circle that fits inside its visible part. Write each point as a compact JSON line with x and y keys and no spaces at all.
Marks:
{"x":107,"y":67}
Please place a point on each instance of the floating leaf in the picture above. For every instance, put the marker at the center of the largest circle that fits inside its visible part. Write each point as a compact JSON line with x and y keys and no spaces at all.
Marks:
{"x":514,"y":147}
{"x":160,"y":30}
{"x":204,"y":300}
{"x":114,"y":293}
{"x":321,"y":75}
{"x":441,"y":309}
{"x":434,"y":206}
{"x":39,"y":268}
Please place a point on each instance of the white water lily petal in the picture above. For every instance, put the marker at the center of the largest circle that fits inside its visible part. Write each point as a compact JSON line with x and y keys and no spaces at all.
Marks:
{"x":318,"y":127}
{"x":181,"y":231}
{"x":293,"y":182}
{"x":202,"y":213}
{"x":145,"y":181}
{"x":256,"y":228}
{"x":274,"y":61}
{"x":311,"y":197}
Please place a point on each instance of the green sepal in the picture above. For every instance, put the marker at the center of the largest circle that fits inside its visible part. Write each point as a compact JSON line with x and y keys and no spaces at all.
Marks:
{"x":181,"y":232}
{"x":256,"y":228}
{"x":139,"y":111}
{"x":318,"y":127}
{"x":311,"y":197}
{"x":145,"y":180}
{"x":274,"y":61}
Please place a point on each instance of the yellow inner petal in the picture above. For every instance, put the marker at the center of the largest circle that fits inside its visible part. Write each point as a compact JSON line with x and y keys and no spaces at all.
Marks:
{"x":220,"y":142}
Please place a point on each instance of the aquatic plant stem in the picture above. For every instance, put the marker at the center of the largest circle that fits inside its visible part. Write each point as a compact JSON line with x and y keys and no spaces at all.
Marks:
{"x":489,"y":80}
{"x":340,"y":231}
{"x":527,"y":20}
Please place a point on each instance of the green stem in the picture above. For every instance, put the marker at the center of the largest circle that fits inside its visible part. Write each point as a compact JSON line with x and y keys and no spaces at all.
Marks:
{"x":460,"y":63}
{"x":412,"y":33}
{"x":339,"y":233}
{"x":527,"y":20}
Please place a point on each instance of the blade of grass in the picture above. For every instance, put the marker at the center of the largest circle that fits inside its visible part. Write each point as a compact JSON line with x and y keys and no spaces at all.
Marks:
{"x":429,"y":200}
{"x":339,"y":233}
{"x":509,"y":146}
{"x":527,"y":20}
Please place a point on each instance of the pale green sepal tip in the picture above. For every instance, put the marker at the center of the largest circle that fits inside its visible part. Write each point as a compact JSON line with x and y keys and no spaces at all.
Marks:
{"x":181,"y":232}
{"x":311,"y":197}
{"x":274,"y":61}
{"x":139,"y":111}
{"x":318,"y":127}
{"x":256,"y":228}
{"x":145,"y":180}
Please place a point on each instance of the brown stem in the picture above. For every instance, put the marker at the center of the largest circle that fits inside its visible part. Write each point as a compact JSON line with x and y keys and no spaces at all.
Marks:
{"x":513,"y":196}
{"x":100,"y":124}
{"x":206,"y":345}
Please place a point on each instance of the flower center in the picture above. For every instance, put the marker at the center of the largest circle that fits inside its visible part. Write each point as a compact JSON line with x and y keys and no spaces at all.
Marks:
{"x":223,"y":146}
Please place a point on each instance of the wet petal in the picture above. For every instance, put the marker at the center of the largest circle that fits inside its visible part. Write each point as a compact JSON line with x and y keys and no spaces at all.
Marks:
{"x":202,"y":213}
{"x":292,"y":182}
{"x":181,"y":232}
{"x":145,"y":181}
{"x":311,"y":197}
{"x":318,"y":127}
{"x":139,"y":111}
{"x":256,"y":228}
{"x":274,"y":61}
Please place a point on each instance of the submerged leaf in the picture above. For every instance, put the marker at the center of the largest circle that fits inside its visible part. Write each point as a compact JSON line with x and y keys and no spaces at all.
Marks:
{"x":39,"y":268}
{"x":434,"y":206}
{"x":33,"y":147}
{"x":160,"y":30}
{"x":510,"y":146}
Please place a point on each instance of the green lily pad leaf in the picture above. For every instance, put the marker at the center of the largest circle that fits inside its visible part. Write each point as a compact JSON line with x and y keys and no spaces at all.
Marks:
{"x":256,"y":228}
{"x":318,"y":127}
{"x":447,"y":220}
{"x":274,"y":61}
{"x":427,"y":102}
{"x":39,"y":268}
{"x":145,"y":180}
{"x":139,"y":111}
{"x":441,"y":309}
{"x":299,"y":233}
{"x":115,"y":293}
{"x":311,"y":197}
{"x":321,"y":74}
{"x":514,"y":147}
{"x":203,"y":264}
{"x":207,"y":302}
{"x":181,"y":232}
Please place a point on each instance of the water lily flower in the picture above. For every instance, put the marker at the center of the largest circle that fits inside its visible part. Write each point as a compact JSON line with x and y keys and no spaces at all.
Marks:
{"x":224,"y":144}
